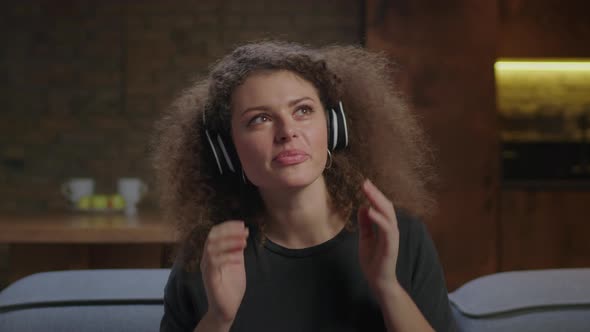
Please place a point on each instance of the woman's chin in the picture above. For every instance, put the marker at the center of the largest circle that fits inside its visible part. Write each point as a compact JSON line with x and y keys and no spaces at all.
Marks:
{"x":289,"y":182}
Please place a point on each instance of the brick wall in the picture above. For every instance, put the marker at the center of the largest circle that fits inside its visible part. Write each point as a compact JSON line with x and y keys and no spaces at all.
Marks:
{"x":83,"y":81}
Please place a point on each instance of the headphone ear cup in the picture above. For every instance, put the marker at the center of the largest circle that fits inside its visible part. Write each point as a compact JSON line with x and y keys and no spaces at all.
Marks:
{"x":330,"y":116}
{"x":342,"y":126}
{"x":337,"y":128}
{"x":213,"y":150}
{"x":224,"y":154}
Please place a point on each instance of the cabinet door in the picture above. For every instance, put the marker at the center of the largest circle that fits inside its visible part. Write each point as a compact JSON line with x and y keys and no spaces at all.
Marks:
{"x":544,"y":229}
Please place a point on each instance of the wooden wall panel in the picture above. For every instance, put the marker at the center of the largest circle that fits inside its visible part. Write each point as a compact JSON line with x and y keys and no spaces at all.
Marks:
{"x":543,"y":229}
{"x":544,"y":28}
{"x":28,"y":258}
{"x":446,"y":51}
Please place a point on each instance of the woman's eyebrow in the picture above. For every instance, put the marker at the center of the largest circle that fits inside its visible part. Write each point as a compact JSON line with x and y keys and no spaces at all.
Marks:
{"x":298,"y":100}
{"x":267,"y":108}
{"x":255,"y":108}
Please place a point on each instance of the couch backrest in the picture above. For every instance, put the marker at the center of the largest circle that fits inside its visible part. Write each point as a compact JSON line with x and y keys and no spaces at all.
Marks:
{"x":132,"y":300}
{"x":85,"y":300}
{"x":534,"y":300}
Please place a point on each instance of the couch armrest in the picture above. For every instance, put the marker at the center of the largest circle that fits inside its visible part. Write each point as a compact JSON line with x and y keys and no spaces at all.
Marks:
{"x":535,"y":300}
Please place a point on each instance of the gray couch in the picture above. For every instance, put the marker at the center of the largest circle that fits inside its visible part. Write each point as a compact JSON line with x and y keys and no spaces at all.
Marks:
{"x":84,"y":301}
{"x":536,"y":300}
{"x":131,"y":300}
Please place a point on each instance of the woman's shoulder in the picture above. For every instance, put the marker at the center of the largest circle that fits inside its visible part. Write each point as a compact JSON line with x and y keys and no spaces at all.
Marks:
{"x":410,"y":227}
{"x":183,"y":272}
{"x":415,"y":244}
{"x":184,"y":290}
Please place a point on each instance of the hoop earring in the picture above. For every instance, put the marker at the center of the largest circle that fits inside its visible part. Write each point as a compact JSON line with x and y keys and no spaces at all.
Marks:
{"x":329,"y":160}
{"x":243,"y":176}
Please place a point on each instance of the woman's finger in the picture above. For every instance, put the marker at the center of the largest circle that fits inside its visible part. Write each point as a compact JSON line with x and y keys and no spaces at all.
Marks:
{"x":229,"y":243}
{"x":235,"y":257}
{"x":388,"y":232}
{"x":214,"y":262}
{"x":378,"y":200}
{"x":230,"y":227}
{"x":365,"y":224}
{"x":383,"y":223}
{"x":225,"y":237}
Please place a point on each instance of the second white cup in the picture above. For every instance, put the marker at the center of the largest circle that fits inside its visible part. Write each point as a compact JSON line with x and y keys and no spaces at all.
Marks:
{"x":132,"y":190}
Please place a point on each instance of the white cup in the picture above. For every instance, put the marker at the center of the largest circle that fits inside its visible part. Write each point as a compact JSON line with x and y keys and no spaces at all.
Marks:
{"x":76,"y":188}
{"x":132,"y":190}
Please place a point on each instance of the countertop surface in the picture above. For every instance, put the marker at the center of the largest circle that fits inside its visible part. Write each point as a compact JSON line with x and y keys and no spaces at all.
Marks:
{"x":85,"y":228}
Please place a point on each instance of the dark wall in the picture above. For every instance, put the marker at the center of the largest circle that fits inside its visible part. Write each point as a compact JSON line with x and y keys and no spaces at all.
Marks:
{"x":82,"y":81}
{"x":543,"y":28}
{"x":545,"y":225}
{"x":446,"y":54}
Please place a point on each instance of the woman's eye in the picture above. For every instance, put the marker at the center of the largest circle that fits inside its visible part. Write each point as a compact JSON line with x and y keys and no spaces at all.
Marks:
{"x":261,"y":118}
{"x":304,"y":110}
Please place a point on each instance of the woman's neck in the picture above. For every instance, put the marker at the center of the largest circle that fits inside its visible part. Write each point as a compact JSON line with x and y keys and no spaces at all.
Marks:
{"x":300,"y":218}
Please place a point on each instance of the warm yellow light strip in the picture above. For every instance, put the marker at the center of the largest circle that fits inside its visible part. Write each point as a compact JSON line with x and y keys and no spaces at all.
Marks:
{"x":542,"y":65}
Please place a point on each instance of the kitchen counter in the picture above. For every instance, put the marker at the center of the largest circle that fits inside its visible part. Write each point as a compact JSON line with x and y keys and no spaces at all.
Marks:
{"x":85,"y":229}
{"x":49,"y":242}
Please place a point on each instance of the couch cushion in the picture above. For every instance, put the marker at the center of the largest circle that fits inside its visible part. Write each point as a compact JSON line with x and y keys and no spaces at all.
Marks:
{"x":85,"y":300}
{"x":118,"y":286}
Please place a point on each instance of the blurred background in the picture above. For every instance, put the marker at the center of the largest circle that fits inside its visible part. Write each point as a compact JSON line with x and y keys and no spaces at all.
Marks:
{"x":502,"y":88}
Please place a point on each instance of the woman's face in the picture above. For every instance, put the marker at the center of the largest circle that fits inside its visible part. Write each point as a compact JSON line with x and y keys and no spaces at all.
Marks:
{"x":279,"y":130}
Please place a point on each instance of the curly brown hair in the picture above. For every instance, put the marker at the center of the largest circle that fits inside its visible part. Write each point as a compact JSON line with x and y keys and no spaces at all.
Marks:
{"x":386,"y":144}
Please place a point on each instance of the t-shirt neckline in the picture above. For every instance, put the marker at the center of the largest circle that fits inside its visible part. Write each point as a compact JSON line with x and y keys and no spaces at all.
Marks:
{"x":305,"y":252}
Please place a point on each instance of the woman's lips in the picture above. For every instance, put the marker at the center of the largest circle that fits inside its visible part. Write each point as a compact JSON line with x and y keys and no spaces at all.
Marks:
{"x":291,"y":157}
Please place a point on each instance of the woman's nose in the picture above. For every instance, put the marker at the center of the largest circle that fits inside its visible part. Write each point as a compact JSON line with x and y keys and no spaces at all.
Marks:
{"x":285,"y":132}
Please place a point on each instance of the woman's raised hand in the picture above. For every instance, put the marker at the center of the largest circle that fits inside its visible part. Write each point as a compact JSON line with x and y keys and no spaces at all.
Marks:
{"x":223,"y":270}
{"x":378,"y":248}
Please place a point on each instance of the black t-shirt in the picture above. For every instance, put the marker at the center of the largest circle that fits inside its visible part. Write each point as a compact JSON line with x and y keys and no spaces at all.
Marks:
{"x":321,"y":288}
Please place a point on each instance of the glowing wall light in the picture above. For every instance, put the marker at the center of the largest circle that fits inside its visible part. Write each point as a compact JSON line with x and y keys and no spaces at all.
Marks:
{"x":542,"y":65}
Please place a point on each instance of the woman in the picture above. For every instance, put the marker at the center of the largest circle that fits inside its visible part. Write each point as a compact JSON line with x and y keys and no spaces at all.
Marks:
{"x":265,"y":166}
